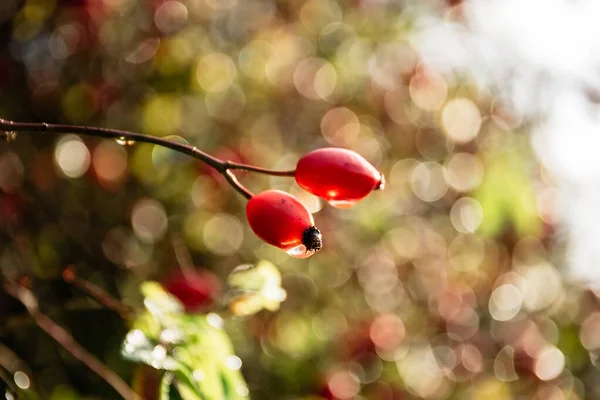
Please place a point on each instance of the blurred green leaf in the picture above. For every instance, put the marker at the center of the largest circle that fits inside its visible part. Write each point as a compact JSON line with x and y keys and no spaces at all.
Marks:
{"x":254,"y":277}
{"x":256,"y":287}
{"x":194,"y":350}
{"x":63,"y":392}
{"x":166,"y":390}
{"x":506,"y":195}
{"x":570,"y":344}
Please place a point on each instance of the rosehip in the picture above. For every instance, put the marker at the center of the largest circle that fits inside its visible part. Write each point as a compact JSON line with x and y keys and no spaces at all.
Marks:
{"x":340,"y":176}
{"x":195,"y":289}
{"x":281,"y":220}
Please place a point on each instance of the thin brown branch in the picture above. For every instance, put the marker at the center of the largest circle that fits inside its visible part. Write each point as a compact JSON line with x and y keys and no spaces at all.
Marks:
{"x":182,"y":255}
{"x":221,"y":166}
{"x":64,"y":338}
{"x":10,"y":386}
{"x":125,"y":136}
{"x":16,"y":322}
{"x":96,"y":292}
{"x":11,"y":362}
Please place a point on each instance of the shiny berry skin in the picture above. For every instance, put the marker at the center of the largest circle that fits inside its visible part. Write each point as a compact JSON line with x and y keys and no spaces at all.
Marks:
{"x":281,"y":220}
{"x":340,"y":176}
{"x":197,"y":290}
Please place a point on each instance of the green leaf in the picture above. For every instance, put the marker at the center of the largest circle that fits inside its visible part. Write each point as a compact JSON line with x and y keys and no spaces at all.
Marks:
{"x":172,"y":388}
{"x":163,"y":310}
{"x":158,"y":301}
{"x":209,"y":354}
{"x":185,"y":392}
{"x":164,"y":391}
{"x":194,"y":350}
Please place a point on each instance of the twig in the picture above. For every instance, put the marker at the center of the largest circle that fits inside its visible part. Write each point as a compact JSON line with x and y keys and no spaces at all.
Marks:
{"x":99,"y":294}
{"x":15,"y":322}
{"x":11,"y":362}
{"x":64,"y":338}
{"x":183,"y":257}
{"x":221,"y":166}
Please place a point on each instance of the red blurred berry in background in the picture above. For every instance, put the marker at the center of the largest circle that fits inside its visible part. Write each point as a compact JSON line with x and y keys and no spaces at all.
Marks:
{"x":340,"y":176}
{"x":197,"y":290}
{"x":281,"y":220}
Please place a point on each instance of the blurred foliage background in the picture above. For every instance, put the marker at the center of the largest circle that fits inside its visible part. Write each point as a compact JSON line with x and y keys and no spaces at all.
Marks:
{"x":447,"y":285}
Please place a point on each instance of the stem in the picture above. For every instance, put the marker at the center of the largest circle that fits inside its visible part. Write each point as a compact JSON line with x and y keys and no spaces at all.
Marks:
{"x":221,"y":166}
{"x":232,"y":179}
{"x":64,"y":338}
{"x":266,"y":171}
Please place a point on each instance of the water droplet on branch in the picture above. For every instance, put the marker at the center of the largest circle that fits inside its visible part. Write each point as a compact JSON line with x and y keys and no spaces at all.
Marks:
{"x":123,"y":141}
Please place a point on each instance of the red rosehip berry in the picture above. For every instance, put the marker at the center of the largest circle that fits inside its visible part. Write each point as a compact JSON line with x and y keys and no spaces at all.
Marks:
{"x":197,"y":290}
{"x":281,"y":220}
{"x":340,"y":176}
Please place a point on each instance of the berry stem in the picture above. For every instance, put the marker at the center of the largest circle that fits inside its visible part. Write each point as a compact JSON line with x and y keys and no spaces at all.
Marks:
{"x":266,"y":171}
{"x":233,"y":181}
{"x":221,"y":166}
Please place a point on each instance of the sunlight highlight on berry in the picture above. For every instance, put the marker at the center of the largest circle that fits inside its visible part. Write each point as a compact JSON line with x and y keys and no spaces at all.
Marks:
{"x":281,"y":220}
{"x":338,"y":175}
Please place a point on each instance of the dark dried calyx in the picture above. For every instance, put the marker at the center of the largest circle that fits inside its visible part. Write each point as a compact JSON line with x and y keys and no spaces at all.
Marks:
{"x":312,"y":239}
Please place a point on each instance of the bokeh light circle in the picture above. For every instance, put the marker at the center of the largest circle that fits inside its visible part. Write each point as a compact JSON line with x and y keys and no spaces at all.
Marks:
{"x":72,"y":156}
